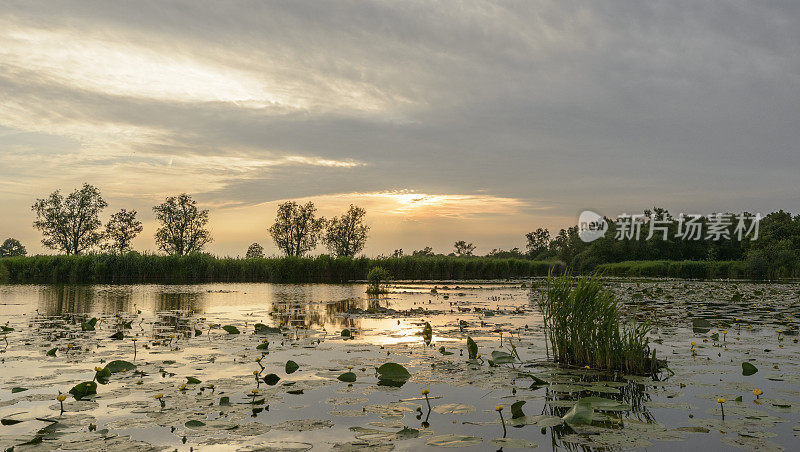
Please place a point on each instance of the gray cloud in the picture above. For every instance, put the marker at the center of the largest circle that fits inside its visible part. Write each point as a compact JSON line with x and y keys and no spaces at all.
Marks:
{"x":575,"y":104}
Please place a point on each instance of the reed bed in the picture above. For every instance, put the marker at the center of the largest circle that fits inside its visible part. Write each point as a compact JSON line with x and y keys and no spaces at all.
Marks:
{"x":136,"y":268}
{"x":584,"y":328}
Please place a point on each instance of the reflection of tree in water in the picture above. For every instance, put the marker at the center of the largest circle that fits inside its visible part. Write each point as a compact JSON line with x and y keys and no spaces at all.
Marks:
{"x":305,"y":314}
{"x":633,"y":394}
{"x":64,"y":299}
{"x":77,"y":299}
{"x":175,"y":314}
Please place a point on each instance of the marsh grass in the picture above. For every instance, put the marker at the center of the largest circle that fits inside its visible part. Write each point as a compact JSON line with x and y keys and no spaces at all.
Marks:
{"x":136,"y":268}
{"x":584,"y":328}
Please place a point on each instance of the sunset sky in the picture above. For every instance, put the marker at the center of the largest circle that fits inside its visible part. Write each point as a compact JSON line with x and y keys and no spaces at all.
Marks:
{"x":470,"y":120}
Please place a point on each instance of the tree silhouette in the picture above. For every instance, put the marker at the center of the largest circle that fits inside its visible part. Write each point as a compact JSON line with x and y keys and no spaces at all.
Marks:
{"x":11,"y":248}
{"x":121,"y":230}
{"x":254,"y":251}
{"x":70,"y":224}
{"x":347,"y":235}
{"x":296,"y":229}
{"x":183,"y":225}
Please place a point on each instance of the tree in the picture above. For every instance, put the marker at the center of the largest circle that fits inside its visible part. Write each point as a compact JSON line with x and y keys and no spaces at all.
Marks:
{"x":11,"y":247}
{"x":121,"y":230}
{"x":70,"y":224}
{"x":296,"y":228}
{"x":463,"y":248}
{"x":538,"y":241}
{"x":183,"y":225}
{"x":347,"y":235}
{"x":425,"y":252}
{"x":254,"y":251}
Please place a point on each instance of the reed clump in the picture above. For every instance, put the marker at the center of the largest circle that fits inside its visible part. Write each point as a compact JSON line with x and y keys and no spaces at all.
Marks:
{"x":584,"y":328}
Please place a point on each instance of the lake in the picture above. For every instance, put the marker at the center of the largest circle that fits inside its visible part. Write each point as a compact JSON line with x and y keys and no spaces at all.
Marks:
{"x":187,"y":350}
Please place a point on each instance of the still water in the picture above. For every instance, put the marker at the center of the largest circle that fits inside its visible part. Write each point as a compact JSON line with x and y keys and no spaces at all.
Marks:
{"x":180,"y":333}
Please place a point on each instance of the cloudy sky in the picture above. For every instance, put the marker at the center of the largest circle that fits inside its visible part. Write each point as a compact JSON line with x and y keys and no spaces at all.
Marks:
{"x":446,"y":120}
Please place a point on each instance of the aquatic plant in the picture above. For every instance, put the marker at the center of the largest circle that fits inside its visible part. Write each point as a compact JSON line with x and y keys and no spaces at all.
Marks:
{"x":499,"y":409}
{"x":61,"y":398}
{"x":425,"y":392}
{"x":721,"y":402}
{"x":377,"y":278}
{"x":584,"y":327}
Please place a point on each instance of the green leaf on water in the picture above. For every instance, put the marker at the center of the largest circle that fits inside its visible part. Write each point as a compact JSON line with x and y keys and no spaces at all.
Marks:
{"x":453,"y":441}
{"x":516,"y":409}
{"x":18,"y":389}
{"x":346,"y":333}
{"x":580,"y":414}
{"x":291,"y":367}
{"x":52,"y":351}
{"x":192,"y":381}
{"x":454,"y":408}
{"x":84,"y":389}
{"x":748,"y":369}
{"x":119,"y":365}
{"x":89,"y":325}
{"x":117,"y":336}
{"x":295,"y":391}
{"x":502,"y":357}
{"x":197,"y":332}
{"x":347,"y":377}
{"x":604,"y":404}
{"x":271,"y":379}
{"x":6,"y":329}
{"x":194,"y":424}
{"x":263,"y":346}
{"x":264,"y":329}
{"x":7,"y":421}
{"x":393,"y":372}
{"x":472,"y":348}
{"x":444,"y":351}
{"x":231,"y":329}
{"x":407,"y":433}
{"x":224,"y":401}
{"x":103,"y":376}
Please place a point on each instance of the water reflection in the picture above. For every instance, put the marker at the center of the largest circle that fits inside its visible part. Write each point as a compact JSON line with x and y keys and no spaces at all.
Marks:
{"x":296,"y":305}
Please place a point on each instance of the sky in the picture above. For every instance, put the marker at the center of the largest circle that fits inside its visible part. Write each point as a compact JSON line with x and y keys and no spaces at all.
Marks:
{"x":474,"y":120}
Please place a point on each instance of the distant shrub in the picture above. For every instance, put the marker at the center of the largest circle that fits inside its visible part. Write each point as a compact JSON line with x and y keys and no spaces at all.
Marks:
{"x":377,"y":278}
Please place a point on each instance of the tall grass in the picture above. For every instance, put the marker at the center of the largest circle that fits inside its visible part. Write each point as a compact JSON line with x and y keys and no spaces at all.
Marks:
{"x":134,"y":268}
{"x":584,"y":328}
{"x":678,"y":269}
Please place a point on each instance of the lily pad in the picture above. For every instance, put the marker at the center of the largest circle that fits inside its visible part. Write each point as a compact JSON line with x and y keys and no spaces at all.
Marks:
{"x":231,"y":329}
{"x":120,"y":366}
{"x":454,"y":408}
{"x":453,"y":441}
{"x":347,"y":377}
{"x":84,"y":389}
{"x":291,"y":367}
{"x":580,"y":414}
{"x":271,"y":379}
{"x":748,"y":369}
{"x":393,"y":372}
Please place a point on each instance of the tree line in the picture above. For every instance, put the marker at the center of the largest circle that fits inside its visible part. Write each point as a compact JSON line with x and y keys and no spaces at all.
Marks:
{"x":71,"y":225}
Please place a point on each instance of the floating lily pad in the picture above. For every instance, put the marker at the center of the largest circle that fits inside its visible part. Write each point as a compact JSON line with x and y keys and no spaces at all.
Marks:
{"x":472,"y":348}
{"x":84,"y":389}
{"x":393,"y":372}
{"x":271,"y":379}
{"x":347,"y":377}
{"x":453,"y":441}
{"x":231,"y":329}
{"x":513,"y":443}
{"x":454,"y":408}
{"x":120,"y":366}
{"x":748,"y":369}
{"x":291,"y":367}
